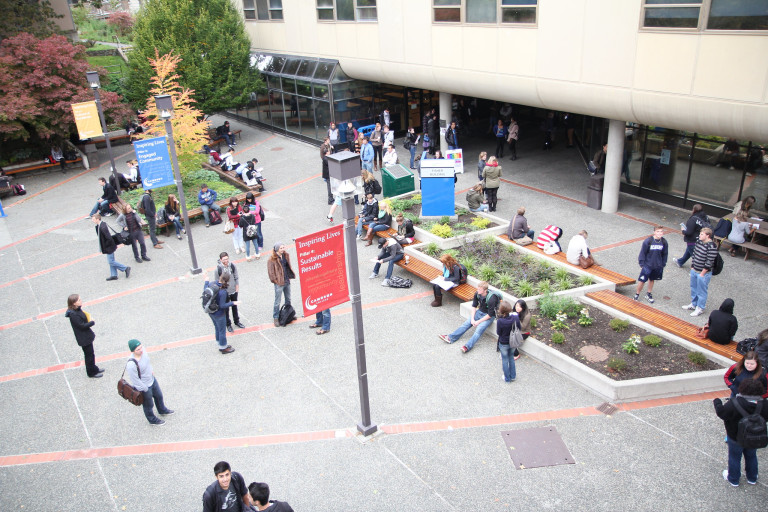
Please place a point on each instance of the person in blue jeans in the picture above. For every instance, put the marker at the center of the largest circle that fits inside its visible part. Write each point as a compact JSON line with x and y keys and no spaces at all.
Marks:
{"x":280,"y":274}
{"x":413,"y":141}
{"x":219,"y":318}
{"x":391,"y":253}
{"x":108,"y":247}
{"x":484,"y":306}
{"x":142,"y":378}
{"x":701,"y":271}
{"x":749,"y":399}
{"x":323,"y":321}
{"x":504,"y":325}
{"x":207,"y":199}
{"x":366,"y":155}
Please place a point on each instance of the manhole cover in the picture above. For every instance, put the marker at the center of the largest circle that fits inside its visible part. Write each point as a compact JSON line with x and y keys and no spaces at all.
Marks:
{"x":276,"y":149}
{"x":593,"y":353}
{"x":536,"y":447}
{"x":607,"y":408}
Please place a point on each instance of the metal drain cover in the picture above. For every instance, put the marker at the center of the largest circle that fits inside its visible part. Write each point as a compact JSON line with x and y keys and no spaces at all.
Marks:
{"x":607,"y":408}
{"x":536,"y":447}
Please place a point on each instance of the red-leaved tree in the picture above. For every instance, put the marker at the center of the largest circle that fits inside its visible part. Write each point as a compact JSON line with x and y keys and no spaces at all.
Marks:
{"x":40,"y":79}
{"x":122,"y":21}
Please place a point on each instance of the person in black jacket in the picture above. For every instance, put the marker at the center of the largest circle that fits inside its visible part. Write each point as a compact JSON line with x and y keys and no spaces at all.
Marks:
{"x":750,"y":395}
{"x":382,"y":223}
{"x":108,"y":246}
{"x":723,"y":324}
{"x":109,"y":196}
{"x":260,"y":495}
{"x":147,"y":205}
{"x":391,"y":253}
{"x":451,"y":272}
{"x":81,"y":326}
{"x":228,"y":492}
{"x":484,"y":306}
{"x":652,"y":260}
{"x":405,"y":232}
{"x":696,"y":221}
{"x":451,"y":137}
{"x":370,"y":212}
{"x":325,"y":150}
{"x":131,"y":224}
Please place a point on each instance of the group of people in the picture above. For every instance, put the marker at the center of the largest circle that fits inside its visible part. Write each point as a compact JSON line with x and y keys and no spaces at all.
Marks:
{"x":229,"y":493}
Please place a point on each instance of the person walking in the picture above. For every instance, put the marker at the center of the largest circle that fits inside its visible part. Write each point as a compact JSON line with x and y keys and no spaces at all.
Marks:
{"x":691,"y":230}
{"x":149,"y":210}
{"x":701,"y":271}
{"x":219,"y":317}
{"x":131,"y":223}
{"x":452,"y":137}
{"x":652,"y":260}
{"x":514,"y":134}
{"x":367,"y":153}
{"x":233,"y":288}
{"x":280,"y":274}
{"x":492,"y":182}
{"x":82,"y":324}
{"x":142,"y":378}
{"x":500,"y":132}
{"x":108,"y":246}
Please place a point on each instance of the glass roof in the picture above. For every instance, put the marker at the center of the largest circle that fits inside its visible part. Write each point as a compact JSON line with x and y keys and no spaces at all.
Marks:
{"x":306,"y":68}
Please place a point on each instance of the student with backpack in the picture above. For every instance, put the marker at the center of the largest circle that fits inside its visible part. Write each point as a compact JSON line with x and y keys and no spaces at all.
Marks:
{"x":484,"y":306}
{"x":228,"y":492}
{"x":744,"y":417}
{"x":691,"y":230}
{"x":280,"y":274}
{"x":215,"y":303}
{"x":703,"y":267}
{"x":452,"y":273}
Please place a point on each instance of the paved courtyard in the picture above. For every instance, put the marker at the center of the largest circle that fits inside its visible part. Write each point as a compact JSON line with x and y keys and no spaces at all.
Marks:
{"x":283,"y":408}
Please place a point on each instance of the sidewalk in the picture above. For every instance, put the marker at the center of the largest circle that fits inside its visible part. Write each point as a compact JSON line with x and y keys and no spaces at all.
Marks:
{"x":283,"y":408}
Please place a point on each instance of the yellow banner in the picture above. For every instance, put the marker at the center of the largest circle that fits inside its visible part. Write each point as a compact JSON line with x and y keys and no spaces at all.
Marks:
{"x":87,"y":119}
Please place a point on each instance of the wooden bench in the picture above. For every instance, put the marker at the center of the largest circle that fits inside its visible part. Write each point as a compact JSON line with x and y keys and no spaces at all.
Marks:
{"x":218,"y":141}
{"x":748,"y":246}
{"x":595,"y":270}
{"x":191,"y":213}
{"x":115,"y":140}
{"x":35,"y":167}
{"x":669,"y":323}
{"x":232,"y":178}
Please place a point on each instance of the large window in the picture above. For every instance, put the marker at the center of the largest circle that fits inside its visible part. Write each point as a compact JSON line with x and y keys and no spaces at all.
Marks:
{"x":265,"y":9}
{"x":484,"y":11}
{"x":346,"y":10}
{"x":249,"y":9}
{"x":709,"y":14}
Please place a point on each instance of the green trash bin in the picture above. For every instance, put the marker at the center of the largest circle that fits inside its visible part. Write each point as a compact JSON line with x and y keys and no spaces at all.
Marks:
{"x":397,"y":180}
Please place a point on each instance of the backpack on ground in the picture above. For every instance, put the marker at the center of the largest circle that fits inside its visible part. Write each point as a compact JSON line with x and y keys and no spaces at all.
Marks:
{"x":752,"y":432}
{"x":18,"y":190}
{"x":717,"y":267}
{"x":462,"y":274}
{"x":287,"y":315}
{"x":399,"y":282}
{"x":211,"y":298}
{"x":215,"y":217}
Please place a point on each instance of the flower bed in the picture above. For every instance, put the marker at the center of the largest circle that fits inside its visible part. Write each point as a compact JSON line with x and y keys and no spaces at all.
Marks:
{"x":445,"y":227}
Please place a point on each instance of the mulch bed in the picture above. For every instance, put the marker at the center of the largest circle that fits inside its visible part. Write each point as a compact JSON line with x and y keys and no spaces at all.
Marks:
{"x":667,"y":359}
{"x":464,"y":218}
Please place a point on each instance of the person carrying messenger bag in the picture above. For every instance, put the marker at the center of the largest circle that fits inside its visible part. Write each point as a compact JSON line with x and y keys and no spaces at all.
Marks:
{"x":125,"y":390}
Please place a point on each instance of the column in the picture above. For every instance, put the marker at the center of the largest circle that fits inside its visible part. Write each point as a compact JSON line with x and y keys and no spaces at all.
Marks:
{"x":445,"y":118}
{"x":613,"y":160}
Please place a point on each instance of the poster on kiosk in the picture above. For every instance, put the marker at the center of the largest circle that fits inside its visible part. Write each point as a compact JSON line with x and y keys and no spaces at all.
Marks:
{"x":437,"y":188}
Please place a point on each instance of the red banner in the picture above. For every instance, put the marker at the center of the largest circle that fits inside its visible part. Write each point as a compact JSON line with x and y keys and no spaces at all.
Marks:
{"x":322,"y":269}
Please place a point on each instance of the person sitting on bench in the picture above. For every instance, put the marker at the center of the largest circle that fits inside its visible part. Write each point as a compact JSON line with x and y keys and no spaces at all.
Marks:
{"x":225,"y":132}
{"x":252,"y":175}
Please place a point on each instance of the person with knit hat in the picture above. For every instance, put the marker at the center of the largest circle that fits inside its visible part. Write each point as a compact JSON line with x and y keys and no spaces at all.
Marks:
{"x":280,"y":273}
{"x":142,"y":378}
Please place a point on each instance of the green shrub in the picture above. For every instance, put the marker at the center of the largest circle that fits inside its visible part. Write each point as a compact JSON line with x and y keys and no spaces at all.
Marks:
{"x":528,"y":259}
{"x":524,"y":288}
{"x":462,"y":211}
{"x":549,"y":306}
{"x":441,"y":230}
{"x":618,"y":324}
{"x":562,"y":273}
{"x":617,"y":364}
{"x":412,"y":217}
{"x":487,"y":273}
{"x":511,"y":249}
{"x":452,"y":252}
{"x":505,"y":281}
{"x":586,"y":280}
{"x":544,"y":287}
{"x":652,"y":340}
{"x":564,"y":284}
{"x":697,"y":358}
{"x":481,"y":223}
{"x":632,"y":345}
{"x":432,"y":249}
{"x":445,"y":219}
{"x":558,"y":338}
{"x":559,"y":322}
{"x":534,"y":322}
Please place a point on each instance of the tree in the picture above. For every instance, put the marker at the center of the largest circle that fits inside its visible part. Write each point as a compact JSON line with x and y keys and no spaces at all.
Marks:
{"x":40,"y":79}
{"x":190,"y":130}
{"x":210,"y":38}
{"x":36,"y":18}
{"x":122,"y":22}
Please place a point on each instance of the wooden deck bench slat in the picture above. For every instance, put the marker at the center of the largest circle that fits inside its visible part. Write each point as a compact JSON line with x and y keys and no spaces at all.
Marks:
{"x":41,"y":166}
{"x":599,"y":271}
{"x":669,"y":323}
{"x":232,"y":178}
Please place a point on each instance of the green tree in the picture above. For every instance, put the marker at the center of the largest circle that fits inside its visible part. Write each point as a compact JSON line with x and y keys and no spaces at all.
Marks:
{"x":33,"y":17}
{"x":210,"y":38}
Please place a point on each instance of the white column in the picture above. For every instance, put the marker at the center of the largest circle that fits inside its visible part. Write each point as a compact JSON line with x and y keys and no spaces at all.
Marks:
{"x":445,"y":118}
{"x":613,"y":160}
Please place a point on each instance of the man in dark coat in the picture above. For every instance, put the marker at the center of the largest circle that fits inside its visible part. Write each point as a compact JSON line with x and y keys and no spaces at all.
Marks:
{"x":108,"y":246}
{"x":109,"y":196}
{"x":147,"y":204}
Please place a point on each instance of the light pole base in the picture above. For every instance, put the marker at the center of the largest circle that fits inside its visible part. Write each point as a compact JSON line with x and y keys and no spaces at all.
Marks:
{"x":196,"y":271}
{"x":367,"y":430}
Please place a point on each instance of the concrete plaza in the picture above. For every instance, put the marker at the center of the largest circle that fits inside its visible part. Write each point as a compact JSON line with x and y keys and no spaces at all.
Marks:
{"x":283,"y":408}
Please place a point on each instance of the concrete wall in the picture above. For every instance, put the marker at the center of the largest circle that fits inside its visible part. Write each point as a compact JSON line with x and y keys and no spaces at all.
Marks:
{"x":585,"y":56}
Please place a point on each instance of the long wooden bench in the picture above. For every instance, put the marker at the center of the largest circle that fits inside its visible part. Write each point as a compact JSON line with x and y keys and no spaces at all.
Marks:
{"x":35,"y":167}
{"x":667,"y":322}
{"x":595,"y":270}
{"x":232,"y":178}
{"x":748,"y":246}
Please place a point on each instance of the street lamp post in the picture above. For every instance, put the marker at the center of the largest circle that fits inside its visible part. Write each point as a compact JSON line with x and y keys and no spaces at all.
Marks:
{"x":165,"y":109}
{"x":344,"y":170}
{"x":93,"y":81}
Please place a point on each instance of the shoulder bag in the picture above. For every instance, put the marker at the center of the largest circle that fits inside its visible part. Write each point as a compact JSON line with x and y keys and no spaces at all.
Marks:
{"x":125,"y":390}
{"x":515,"y":337}
{"x":120,"y":238}
{"x":229,"y":226}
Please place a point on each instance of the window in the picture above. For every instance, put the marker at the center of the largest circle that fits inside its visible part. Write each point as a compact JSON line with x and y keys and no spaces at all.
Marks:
{"x":484,"y":11}
{"x":712,"y":14}
{"x":345,"y":10}
{"x":267,"y":9}
{"x":249,"y":9}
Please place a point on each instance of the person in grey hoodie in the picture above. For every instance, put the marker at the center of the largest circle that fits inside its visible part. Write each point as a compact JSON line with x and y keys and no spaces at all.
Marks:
{"x":233,"y":288}
{"x":142,"y":378}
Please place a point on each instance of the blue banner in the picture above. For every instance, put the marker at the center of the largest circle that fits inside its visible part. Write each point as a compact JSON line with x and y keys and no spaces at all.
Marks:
{"x":154,"y":162}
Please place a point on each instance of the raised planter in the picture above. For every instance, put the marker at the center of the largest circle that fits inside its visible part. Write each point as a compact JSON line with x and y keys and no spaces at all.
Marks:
{"x":625,"y":390}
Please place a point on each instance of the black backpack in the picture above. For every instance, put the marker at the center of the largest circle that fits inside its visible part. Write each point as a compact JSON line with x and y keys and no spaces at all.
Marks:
{"x":287,"y":315}
{"x":752,"y":431}
{"x":718,"y":265}
{"x":462,"y":274}
{"x":376,"y":186}
{"x":746,"y":345}
{"x":210,"y":298}
{"x":399,"y":282}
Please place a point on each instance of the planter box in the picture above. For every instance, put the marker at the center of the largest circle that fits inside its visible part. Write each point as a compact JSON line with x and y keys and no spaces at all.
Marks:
{"x":625,"y":390}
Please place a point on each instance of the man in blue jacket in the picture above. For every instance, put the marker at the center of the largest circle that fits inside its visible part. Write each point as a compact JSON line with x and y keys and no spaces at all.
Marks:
{"x":207,"y":199}
{"x":652,"y":260}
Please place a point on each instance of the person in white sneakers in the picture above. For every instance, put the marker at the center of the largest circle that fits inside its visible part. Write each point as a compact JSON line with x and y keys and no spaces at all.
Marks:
{"x":701,"y":271}
{"x":652,"y":260}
